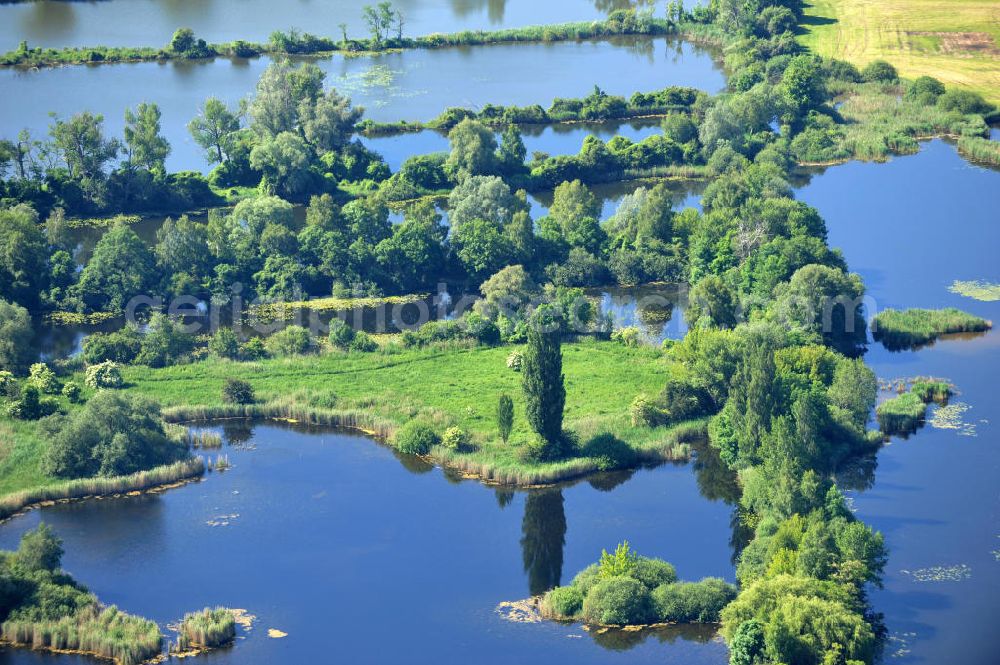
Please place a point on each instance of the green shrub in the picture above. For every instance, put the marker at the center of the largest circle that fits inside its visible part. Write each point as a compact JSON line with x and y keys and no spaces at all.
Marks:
{"x":363,"y":342}
{"x":610,"y":452}
{"x":236,"y":391}
{"x":415,"y":438}
{"x":32,"y":405}
{"x":8,"y":384}
{"x":564,"y":602}
{"x":654,"y":572}
{"x":121,"y":346}
{"x":43,"y":378}
{"x":71,"y":391}
{"x":693,"y":602}
{"x":253,"y":349}
{"x":879,"y":70}
{"x":618,"y":601}
{"x":104,"y":375}
{"x":587,"y":578}
{"x":644,"y":413}
{"x":225,"y":344}
{"x":620,"y":563}
{"x":292,"y":341}
{"x":341,"y":334}
{"x":629,"y":336}
{"x":454,"y":438}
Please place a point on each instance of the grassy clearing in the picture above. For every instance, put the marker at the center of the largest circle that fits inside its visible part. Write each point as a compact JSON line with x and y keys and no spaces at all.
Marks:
{"x":377,"y":392}
{"x":901,"y":329}
{"x":955,"y":41}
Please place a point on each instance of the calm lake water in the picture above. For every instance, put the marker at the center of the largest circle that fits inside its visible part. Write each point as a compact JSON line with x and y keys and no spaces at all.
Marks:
{"x":152,"y":22}
{"x":411,"y":85}
{"x":911,"y":227}
{"x":353,"y":550}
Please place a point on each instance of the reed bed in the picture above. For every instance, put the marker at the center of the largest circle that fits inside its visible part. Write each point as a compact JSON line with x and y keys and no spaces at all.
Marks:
{"x":355,"y":419}
{"x":207,"y":629}
{"x":901,"y":415}
{"x":202,"y":439}
{"x":92,"y":487}
{"x":103,"y":632}
{"x":902,"y":329}
{"x":978,"y":149}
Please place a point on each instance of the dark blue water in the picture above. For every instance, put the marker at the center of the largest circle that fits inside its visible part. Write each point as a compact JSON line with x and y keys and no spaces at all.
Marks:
{"x":373,"y":559}
{"x":911,"y":227}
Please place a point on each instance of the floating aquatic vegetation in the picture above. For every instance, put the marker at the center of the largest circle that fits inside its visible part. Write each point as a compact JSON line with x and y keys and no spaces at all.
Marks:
{"x":380,"y":79}
{"x":952,"y":417}
{"x":243,"y":618}
{"x":976,"y":289}
{"x":520,"y":611}
{"x":956,"y":573}
{"x":276,"y":634}
{"x":996,"y":554}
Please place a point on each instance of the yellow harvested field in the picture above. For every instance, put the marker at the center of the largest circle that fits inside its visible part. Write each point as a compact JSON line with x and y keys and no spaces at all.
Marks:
{"x":956,"y":41}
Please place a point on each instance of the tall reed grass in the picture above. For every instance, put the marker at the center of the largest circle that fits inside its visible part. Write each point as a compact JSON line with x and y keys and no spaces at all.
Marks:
{"x":91,"y":487}
{"x":981,"y":150}
{"x":104,"y":632}
{"x":207,"y":629}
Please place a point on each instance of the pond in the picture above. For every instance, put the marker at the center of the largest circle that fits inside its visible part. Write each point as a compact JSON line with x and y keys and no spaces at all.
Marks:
{"x":354,"y":550}
{"x":411,"y":85}
{"x":54,"y":23}
{"x":911,"y":227}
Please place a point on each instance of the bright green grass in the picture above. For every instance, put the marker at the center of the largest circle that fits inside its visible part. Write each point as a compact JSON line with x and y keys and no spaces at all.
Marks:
{"x":450,"y":386}
{"x":456,"y":386}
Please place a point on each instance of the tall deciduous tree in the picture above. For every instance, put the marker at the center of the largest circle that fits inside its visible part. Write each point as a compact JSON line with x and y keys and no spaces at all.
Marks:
{"x":121,"y":267}
{"x":145,"y":147}
{"x":213,"y":128}
{"x":23,"y":256}
{"x":15,"y":337}
{"x":542,"y":378}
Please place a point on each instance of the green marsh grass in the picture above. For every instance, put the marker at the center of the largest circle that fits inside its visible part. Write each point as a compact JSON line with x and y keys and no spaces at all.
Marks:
{"x":160,"y":476}
{"x":209,"y":628}
{"x":901,"y":415}
{"x":104,"y":632}
{"x":375,"y":393}
{"x":902,"y":329}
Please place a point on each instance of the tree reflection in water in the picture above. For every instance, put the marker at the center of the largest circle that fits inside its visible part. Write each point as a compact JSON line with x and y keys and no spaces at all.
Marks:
{"x":543,"y":535}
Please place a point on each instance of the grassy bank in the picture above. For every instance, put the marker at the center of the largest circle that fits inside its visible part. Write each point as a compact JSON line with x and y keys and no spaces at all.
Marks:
{"x":955,"y":41}
{"x":15,"y":502}
{"x":295,"y":43}
{"x":901,"y":415}
{"x":901,"y":329}
{"x":378,"y":392}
